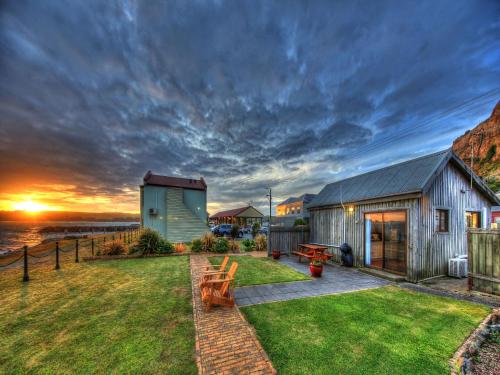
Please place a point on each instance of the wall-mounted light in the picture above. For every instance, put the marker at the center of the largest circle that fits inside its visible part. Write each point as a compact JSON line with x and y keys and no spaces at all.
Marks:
{"x":350,"y":208}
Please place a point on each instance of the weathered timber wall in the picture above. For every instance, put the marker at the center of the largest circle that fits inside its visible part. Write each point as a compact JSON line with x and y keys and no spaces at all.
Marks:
{"x":288,"y":239}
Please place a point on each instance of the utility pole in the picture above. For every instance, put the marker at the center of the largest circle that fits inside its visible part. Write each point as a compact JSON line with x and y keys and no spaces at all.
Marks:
{"x":270,"y":196}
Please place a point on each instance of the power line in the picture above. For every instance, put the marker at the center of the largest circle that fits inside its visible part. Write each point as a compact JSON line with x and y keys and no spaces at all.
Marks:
{"x":460,"y":109}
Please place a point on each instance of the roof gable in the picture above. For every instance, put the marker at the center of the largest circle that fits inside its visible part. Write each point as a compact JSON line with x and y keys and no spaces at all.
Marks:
{"x":235,"y":212}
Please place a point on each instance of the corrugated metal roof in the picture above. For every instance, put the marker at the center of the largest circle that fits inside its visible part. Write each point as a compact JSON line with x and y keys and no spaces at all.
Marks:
{"x":404,"y":178}
{"x":306,"y":198}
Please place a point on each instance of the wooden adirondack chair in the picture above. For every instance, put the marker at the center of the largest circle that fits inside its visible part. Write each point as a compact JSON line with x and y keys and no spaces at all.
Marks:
{"x":220,"y":291}
{"x":214,"y":271}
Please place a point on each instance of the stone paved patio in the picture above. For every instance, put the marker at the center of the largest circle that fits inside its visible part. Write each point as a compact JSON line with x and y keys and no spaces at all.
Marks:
{"x":225,"y":342}
{"x":335,"y":279}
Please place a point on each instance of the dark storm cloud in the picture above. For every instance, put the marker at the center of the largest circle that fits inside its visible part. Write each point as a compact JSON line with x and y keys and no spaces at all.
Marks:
{"x":245,"y":93}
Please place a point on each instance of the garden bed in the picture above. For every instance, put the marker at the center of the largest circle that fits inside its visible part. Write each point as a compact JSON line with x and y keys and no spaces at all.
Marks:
{"x":469,"y":358}
{"x":131,"y":256}
{"x":139,"y":256}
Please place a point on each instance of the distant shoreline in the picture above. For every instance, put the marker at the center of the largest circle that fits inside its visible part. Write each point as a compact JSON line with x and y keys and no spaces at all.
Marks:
{"x":67,"y":216}
{"x":96,"y":220}
{"x":14,"y":234}
{"x":87,"y":228}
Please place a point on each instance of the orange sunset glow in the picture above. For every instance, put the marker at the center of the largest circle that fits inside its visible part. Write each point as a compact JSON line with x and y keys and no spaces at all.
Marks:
{"x":64,"y":197}
{"x":30,"y":206}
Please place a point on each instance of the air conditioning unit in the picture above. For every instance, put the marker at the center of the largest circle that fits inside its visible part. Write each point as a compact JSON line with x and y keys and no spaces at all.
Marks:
{"x":153,"y":211}
{"x":457,"y":267}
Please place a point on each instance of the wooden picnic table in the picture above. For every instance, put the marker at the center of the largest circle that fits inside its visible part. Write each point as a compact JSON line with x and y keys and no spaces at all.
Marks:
{"x":311,"y":251}
{"x":314,"y":248}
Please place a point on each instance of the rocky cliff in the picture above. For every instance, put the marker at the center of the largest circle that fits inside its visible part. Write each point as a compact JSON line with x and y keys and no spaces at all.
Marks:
{"x":485,"y":139}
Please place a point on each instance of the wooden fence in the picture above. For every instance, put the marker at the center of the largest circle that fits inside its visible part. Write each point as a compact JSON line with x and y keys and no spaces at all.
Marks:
{"x":287,"y":239}
{"x":484,"y":260}
{"x":62,"y":251}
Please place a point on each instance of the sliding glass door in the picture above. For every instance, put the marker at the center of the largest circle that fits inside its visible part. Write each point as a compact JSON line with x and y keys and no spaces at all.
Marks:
{"x":386,"y":240}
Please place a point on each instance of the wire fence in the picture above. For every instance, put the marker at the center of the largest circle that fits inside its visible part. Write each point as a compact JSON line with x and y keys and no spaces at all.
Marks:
{"x":65,"y":251}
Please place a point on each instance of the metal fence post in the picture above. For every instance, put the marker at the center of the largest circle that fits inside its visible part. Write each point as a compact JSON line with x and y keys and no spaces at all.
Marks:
{"x":92,"y":246}
{"x":57,"y":256}
{"x":26,"y":276}
{"x":76,"y":252}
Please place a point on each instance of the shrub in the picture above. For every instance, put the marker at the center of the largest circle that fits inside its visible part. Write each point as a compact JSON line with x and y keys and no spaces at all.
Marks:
{"x":113,"y":248}
{"x":180,"y":247}
{"x":255,"y":229}
{"x":133,"y":249}
{"x":165,"y":247}
{"x":235,"y":231}
{"x":196,"y":245}
{"x":149,"y":242}
{"x":222,"y":245}
{"x":491,"y":152}
{"x":208,"y":242}
{"x":260,"y":243}
{"x":248,"y":244}
{"x":298,"y":222}
{"x":234,"y":246}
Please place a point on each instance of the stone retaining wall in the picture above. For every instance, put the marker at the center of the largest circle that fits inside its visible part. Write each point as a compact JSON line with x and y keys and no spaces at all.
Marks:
{"x":461,"y":361}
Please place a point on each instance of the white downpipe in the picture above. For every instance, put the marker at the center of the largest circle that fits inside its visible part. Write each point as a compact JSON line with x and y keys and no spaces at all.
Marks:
{"x":484,"y":218}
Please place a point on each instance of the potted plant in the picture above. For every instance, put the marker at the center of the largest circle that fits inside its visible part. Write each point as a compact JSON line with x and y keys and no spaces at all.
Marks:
{"x":276,"y":254}
{"x":316,"y":267}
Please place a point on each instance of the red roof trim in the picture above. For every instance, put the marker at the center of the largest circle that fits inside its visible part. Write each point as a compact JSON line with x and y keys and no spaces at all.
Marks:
{"x":230,"y":213}
{"x":179,"y":182}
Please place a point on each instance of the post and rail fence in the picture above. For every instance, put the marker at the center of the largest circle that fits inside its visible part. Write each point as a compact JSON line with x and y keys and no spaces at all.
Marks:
{"x":483,"y":246}
{"x":76,"y":246}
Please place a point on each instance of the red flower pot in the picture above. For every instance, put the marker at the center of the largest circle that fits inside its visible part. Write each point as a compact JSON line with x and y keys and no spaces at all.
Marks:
{"x":276,"y":254}
{"x":316,"y":270}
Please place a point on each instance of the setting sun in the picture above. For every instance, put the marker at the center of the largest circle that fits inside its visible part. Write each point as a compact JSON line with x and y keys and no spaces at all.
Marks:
{"x":30,"y":206}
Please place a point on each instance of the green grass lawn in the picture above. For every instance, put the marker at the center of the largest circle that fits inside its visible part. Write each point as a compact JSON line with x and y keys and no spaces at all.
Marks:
{"x":381,"y":331}
{"x":124,"y":316}
{"x":253,"y":270}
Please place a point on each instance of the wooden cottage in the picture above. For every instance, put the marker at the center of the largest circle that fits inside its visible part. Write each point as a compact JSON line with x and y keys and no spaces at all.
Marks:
{"x":408,"y":218}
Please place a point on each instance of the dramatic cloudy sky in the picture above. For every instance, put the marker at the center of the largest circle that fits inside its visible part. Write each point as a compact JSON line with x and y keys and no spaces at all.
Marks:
{"x":248,"y":94}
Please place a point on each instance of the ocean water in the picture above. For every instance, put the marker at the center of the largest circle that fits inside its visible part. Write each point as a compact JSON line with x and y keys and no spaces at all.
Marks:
{"x":15,"y":234}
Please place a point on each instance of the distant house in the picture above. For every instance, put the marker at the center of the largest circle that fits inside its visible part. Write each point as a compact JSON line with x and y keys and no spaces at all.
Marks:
{"x":408,"y":218}
{"x":242,"y":216}
{"x":175,"y":207}
{"x":295,"y":206}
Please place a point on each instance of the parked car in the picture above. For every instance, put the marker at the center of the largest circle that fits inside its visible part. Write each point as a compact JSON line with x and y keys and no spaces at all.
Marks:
{"x":263,"y":230}
{"x":246,"y":229}
{"x":225,"y":230}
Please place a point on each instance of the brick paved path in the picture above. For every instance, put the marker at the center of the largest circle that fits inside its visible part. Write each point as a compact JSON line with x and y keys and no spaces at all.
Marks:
{"x":225,"y":342}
